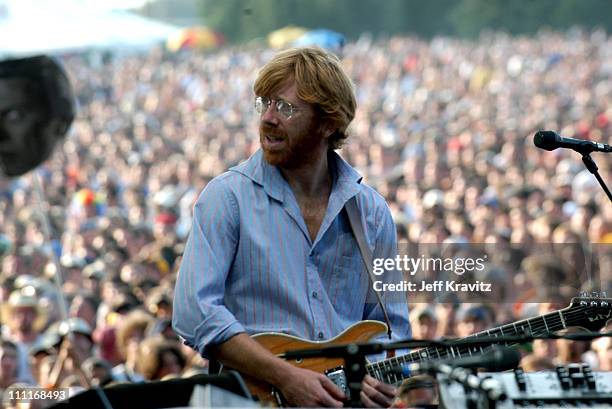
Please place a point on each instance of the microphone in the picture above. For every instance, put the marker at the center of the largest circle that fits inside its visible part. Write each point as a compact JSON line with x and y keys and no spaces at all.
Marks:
{"x":496,"y":359}
{"x":550,"y":140}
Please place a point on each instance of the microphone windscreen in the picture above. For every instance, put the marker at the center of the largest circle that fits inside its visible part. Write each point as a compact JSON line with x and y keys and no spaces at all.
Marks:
{"x":547,"y":140}
{"x":504,"y":358}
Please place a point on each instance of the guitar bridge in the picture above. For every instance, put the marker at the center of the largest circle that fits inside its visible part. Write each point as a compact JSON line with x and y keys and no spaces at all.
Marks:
{"x":338,"y":377}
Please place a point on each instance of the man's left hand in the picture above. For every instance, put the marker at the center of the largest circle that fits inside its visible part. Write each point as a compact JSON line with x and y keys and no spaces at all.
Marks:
{"x":376,"y":394}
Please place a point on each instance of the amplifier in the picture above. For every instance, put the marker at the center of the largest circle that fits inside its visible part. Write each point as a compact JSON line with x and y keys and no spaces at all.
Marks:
{"x":571,"y":386}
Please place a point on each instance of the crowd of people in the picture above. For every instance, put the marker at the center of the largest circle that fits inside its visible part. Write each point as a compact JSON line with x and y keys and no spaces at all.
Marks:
{"x":443,"y":131}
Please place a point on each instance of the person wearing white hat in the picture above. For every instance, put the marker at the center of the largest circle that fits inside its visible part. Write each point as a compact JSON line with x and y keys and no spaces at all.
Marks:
{"x":22,"y":317}
{"x":22,"y":323}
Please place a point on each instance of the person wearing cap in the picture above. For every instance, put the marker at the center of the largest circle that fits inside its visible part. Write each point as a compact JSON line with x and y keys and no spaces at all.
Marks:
{"x":40,"y":351}
{"x":472,"y":319}
{"x":36,"y":110}
{"x":76,"y":343}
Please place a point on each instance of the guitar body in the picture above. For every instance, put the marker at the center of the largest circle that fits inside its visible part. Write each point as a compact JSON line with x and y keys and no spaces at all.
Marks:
{"x":281,"y":343}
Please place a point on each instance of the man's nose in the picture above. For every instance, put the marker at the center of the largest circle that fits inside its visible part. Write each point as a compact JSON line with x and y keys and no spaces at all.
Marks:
{"x":270,"y":115}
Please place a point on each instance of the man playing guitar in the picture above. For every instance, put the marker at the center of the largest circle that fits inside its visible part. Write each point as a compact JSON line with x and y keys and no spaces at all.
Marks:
{"x":271,"y":248}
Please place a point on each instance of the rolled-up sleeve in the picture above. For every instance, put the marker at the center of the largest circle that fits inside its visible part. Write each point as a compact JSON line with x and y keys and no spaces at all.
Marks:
{"x":199,"y":315}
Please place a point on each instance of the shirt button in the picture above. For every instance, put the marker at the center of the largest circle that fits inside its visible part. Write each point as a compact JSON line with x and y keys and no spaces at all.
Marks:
{"x":320,"y":335}
{"x":314,"y":294}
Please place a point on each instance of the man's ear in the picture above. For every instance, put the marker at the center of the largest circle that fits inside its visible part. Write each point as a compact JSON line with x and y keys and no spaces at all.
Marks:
{"x":327,"y":130}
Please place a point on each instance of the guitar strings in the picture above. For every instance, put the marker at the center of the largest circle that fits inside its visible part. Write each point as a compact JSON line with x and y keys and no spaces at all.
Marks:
{"x":558,"y":319}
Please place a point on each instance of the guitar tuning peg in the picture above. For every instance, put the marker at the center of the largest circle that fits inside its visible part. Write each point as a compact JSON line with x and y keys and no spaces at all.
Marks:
{"x":604,"y":303}
{"x":594,"y":294}
{"x":583,"y":294}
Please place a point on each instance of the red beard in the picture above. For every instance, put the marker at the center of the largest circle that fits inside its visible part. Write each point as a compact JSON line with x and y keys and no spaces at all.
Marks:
{"x":289,"y":153}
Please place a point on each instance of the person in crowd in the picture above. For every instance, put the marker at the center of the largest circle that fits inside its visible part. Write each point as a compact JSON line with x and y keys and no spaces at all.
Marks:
{"x":8,"y":364}
{"x":472,"y":319}
{"x":423,"y":322}
{"x":23,"y":316}
{"x":75,"y":345}
{"x":160,"y":359}
{"x":570,"y":351}
{"x":98,"y":371}
{"x":419,"y":391}
{"x":131,"y":332}
{"x":603,"y":350}
{"x":535,"y":363}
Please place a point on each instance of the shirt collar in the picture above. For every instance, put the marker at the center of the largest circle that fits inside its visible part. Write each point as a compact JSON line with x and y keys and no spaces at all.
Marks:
{"x":346,"y":179}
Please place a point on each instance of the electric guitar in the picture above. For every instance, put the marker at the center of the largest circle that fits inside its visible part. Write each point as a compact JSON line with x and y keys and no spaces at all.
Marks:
{"x":590,"y":313}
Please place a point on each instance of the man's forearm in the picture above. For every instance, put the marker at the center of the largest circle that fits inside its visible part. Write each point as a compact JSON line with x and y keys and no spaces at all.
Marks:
{"x":244,"y":353}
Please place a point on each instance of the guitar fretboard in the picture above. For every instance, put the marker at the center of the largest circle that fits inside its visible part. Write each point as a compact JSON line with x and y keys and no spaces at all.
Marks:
{"x":391,"y":370}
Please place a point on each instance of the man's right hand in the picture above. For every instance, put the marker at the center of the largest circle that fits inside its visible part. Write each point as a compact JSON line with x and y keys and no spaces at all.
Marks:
{"x":300,"y":387}
{"x":306,"y":388}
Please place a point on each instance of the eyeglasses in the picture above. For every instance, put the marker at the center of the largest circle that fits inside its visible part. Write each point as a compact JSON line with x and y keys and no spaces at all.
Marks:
{"x":283,"y":107}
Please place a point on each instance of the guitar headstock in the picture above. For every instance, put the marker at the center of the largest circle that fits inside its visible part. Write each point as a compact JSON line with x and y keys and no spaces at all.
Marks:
{"x":590,"y":311}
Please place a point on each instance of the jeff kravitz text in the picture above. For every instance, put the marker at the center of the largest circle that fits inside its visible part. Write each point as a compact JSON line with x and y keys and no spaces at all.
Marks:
{"x":434,"y":286}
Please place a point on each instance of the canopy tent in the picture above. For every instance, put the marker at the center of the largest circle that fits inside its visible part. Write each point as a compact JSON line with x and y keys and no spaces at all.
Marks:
{"x":194,"y":38}
{"x":323,"y":38}
{"x":41,"y":26}
{"x":285,"y":36}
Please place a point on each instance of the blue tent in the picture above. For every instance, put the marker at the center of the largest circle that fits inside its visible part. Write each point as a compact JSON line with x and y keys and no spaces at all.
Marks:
{"x":323,"y":38}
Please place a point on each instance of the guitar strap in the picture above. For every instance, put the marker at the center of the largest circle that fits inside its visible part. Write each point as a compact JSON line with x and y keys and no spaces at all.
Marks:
{"x":352,"y":209}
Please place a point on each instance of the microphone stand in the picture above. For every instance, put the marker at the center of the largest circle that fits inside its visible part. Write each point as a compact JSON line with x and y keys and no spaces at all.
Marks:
{"x":592,"y":167}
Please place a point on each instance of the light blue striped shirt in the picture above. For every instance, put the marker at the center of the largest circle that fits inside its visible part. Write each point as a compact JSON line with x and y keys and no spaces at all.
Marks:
{"x":250,"y":266}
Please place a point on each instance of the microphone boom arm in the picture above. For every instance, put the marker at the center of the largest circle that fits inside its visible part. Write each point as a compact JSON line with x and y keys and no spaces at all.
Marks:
{"x":592,"y":167}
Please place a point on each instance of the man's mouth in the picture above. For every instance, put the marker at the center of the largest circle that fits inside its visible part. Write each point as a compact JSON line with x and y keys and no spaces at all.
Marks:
{"x":273,"y":142}
{"x":274,"y":138}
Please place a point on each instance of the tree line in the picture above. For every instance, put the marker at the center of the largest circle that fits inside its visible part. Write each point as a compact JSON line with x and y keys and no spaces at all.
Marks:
{"x":244,"y":20}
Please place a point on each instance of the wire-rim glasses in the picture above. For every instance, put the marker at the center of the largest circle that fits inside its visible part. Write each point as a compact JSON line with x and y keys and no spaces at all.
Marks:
{"x":286,"y":109}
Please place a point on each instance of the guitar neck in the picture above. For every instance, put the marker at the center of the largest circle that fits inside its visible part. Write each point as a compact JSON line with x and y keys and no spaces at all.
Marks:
{"x":390,"y":370}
